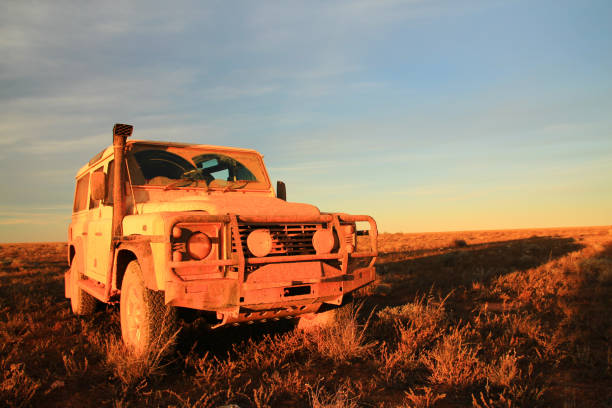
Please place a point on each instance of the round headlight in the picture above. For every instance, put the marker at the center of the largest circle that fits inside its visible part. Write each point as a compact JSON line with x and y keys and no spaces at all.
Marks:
{"x":198,"y":245}
{"x":323,"y":241}
{"x":260,"y":242}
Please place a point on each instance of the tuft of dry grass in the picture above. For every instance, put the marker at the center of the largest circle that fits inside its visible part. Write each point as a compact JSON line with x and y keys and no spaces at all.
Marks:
{"x":75,"y":366}
{"x":17,"y":388}
{"x":416,"y":326}
{"x":599,"y":269}
{"x":136,"y":369}
{"x":505,"y":372}
{"x":426,"y":398}
{"x":453,"y":362}
{"x":342,"y":398}
{"x":344,"y":339}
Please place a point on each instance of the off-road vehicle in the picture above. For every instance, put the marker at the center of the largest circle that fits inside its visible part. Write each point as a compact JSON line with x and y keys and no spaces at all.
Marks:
{"x":157,"y":226}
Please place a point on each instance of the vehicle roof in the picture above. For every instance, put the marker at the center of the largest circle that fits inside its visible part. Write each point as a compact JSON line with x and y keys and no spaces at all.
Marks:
{"x":98,"y":158}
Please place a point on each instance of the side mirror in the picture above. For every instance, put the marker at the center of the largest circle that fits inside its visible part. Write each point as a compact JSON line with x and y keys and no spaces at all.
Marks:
{"x":98,"y":185}
{"x":281,"y":190}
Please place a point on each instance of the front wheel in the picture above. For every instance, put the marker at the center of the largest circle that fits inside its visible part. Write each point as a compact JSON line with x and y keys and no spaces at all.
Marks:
{"x":147,"y":324}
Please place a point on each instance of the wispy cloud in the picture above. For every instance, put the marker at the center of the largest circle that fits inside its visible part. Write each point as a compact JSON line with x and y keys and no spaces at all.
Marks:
{"x":34,"y":216}
{"x":15,"y":221}
{"x":437,"y":190}
{"x":305,"y":167}
{"x":233,"y":92}
{"x":61,"y":146}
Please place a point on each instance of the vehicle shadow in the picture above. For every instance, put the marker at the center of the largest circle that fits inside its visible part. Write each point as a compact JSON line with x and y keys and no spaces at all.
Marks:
{"x":588,"y":330}
{"x":404,"y":275}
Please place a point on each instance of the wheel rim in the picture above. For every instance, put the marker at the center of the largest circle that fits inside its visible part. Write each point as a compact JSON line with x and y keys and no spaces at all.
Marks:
{"x":135,"y":315}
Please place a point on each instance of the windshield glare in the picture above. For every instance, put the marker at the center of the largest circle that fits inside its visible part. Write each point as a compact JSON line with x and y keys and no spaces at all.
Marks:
{"x":177,"y":167}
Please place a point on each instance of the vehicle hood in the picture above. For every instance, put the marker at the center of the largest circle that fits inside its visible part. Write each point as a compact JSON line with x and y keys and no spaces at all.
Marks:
{"x":240,"y":204}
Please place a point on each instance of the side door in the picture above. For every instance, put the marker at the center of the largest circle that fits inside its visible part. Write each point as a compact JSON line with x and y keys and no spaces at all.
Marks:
{"x":79,"y":227}
{"x":99,"y":237}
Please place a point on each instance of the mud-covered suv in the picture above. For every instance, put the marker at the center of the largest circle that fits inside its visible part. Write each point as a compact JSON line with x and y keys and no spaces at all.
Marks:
{"x":157,"y":226}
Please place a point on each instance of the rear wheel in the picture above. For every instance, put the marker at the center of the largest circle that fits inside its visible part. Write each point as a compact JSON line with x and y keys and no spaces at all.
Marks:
{"x":82,"y":302}
{"x":146,"y":322}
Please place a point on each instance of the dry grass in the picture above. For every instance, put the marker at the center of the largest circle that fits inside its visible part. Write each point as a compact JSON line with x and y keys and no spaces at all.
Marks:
{"x":17,"y":388}
{"x":426,"y":398}
{"x":343,"y":340}
{"x":453,"y":362}
{"x":135,"y":370}
{"x":342,"y":398}
{"x":483,"y":319}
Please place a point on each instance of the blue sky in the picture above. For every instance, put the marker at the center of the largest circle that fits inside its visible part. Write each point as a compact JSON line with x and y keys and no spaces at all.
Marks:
{"x":429,"y":115}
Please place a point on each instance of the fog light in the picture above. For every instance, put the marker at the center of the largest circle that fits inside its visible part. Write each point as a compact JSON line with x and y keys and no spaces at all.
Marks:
{"x":323,"y":241}
{"x":260,"y":242}
{"x":350,"y":238}
{"x":198,"y":245}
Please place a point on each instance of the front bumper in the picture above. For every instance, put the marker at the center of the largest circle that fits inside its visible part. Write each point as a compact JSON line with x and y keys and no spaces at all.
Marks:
{"x":245,"y":288}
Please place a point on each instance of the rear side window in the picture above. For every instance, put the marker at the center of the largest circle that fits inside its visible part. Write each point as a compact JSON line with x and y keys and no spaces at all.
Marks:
{"x":80,"y":196}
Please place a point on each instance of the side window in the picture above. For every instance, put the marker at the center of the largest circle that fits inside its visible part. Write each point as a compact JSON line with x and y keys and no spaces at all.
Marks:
{"x":110,"y":181}
{"x":80,"y":195}
{"x":95,"y":203}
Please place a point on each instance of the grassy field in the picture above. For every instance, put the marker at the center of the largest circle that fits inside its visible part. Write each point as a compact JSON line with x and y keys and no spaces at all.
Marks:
{"x":483,"y":319}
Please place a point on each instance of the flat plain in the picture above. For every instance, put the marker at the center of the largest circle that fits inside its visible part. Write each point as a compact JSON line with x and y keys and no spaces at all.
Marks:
{"x":476,"y":318}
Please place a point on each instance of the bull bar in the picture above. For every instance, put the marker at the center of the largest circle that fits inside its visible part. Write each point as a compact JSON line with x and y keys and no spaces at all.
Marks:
{"x":329,"y":289}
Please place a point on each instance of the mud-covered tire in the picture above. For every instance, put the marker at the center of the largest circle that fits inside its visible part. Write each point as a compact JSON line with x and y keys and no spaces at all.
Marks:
{"x":146,"y":322}
{"x":82,"y":303}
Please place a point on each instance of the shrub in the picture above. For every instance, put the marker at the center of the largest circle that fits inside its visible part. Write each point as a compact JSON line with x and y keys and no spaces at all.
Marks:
{"x":414,"y":324}
{"x":454,"y":363}
{"x":425,"y":399}
{"x":17,"y":388}
{"x":410,"y":328}
{"x":460,"y":243}
{"x":134,"y":369}
{"x":505,"y":372}
{"x":599,"y":269}
{"x":342,"y":398}
{"x":345,"y":338}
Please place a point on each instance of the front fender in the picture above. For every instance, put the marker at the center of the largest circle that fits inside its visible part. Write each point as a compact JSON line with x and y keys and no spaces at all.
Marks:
{"x":141,"y":248}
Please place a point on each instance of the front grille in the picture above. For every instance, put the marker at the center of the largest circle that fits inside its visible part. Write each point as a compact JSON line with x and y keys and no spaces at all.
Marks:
{"x":287,"y":239}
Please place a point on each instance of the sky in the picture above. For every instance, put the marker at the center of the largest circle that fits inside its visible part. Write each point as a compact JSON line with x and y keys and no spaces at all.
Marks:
{"x":430,"y":115}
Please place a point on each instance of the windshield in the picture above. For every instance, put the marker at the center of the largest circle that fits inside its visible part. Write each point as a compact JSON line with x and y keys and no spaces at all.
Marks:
{"x":177,"y":167}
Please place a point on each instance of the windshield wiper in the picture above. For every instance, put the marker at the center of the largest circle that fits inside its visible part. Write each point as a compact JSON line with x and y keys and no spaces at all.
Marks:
{"x":188,"y":177}
{"x":234,"y":187}
{"x":176,"y":183}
